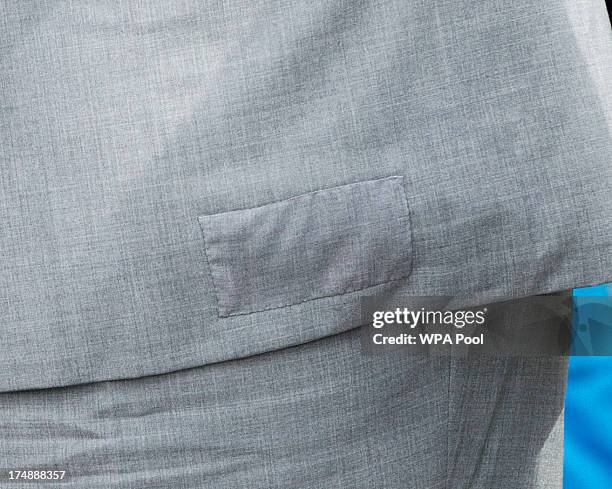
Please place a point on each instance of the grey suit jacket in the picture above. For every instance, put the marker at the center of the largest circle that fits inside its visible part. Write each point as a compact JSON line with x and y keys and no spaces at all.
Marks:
{"x":183,"y":183}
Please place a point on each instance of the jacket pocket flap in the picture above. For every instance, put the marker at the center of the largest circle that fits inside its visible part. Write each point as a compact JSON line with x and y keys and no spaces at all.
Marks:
{"x":320,"y":244}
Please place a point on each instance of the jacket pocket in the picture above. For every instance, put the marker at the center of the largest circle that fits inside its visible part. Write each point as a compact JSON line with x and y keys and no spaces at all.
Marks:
{"x":320,"y":244}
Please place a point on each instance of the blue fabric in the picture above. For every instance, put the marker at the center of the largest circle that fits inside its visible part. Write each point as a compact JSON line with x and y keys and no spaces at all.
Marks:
{"x":588,"y":426}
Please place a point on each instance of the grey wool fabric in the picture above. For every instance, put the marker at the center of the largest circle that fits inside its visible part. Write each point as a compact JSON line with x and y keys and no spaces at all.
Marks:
{"x":195,"y":196}
{"x":125,"y":126}
{"x":322,"y":244}
{"x":318,"y":415}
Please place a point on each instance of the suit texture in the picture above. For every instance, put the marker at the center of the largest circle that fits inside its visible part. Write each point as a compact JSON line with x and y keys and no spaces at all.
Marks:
{"x":318,"y":415}
{"x":122,"y":124}
{"x":195,"y":196}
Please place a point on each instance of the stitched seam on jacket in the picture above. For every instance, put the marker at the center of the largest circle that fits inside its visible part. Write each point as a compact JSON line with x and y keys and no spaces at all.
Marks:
{"x":405,"y":224}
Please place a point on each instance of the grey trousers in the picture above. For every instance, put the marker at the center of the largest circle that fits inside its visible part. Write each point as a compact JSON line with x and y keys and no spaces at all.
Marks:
{"x":320,"y":415}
